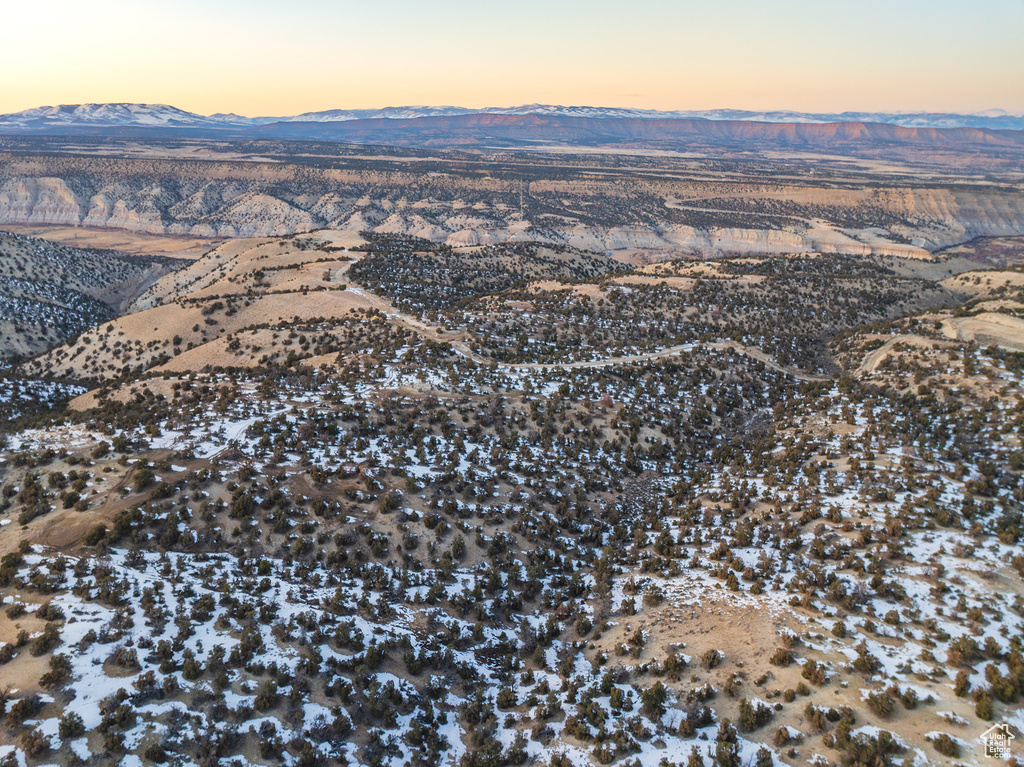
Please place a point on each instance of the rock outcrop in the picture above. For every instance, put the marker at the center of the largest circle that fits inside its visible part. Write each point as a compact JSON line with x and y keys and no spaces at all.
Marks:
{"x":673,"y":217}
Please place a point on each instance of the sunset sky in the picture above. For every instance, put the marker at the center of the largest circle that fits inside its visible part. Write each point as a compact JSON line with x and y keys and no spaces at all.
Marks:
{"x":266,"y":57}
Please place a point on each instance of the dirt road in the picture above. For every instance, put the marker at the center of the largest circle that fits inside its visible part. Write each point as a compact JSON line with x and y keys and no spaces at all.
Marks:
{"x":461,"y":347}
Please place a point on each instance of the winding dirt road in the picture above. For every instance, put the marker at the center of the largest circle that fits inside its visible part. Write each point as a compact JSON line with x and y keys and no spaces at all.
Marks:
{"x":461,"y":347}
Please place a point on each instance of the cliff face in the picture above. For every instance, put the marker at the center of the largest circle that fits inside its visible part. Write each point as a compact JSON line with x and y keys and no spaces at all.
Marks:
{"x":667,"y":217}
{"x":40,"y":201}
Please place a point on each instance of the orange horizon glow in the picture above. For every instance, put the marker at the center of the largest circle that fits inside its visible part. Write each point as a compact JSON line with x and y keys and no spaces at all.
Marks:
{"x":260,"y":58}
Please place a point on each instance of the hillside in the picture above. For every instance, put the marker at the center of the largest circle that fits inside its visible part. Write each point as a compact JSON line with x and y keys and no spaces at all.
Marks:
{"x":239,"y":305}
{"x":50,"y":292}
{"x":492,"y":458}
{"x":386,"y":503}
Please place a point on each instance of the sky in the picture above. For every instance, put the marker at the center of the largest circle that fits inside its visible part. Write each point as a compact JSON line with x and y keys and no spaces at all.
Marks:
{"x":271,"y":57}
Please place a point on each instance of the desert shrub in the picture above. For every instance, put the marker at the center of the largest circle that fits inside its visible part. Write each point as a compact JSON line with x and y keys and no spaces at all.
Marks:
{"x":59,"y":673}
{"x":909,"y":698}
{"x":155,"y":753}
{"x":95,"y":535}
{"x":674,"y":665}
{"x":727,"y":746}
{"x":864,"y":749}
{"x":946,"y":745}
{"x":49,"y":639}
{"x":653,"y":700}
{"x":783,"y":737}
{"x":1003,"y":688}
{"x":190,"y":667}
{"x":506,"y":698}
{"x":753,"y":716}
{"x":816,"y":718}
{"x":881,"y":703}
{"x":144,"y":477}
{"x":584,"y":626}
{"x":70,"y":726}
{"x":34,"y":743}
{"x":653,"y":596}
{"x":732,"y":685}
{"x":865,"y":662}
{"x":266,"y":695}
{"x":983,"y":705}
{"x":963,"y":651}
{"x":50,"y":612}
{"x":24,"y":708}
{"x":814,"y":673}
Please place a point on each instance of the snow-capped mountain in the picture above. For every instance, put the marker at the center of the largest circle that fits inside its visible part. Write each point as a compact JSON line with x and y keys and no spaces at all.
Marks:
{"x":151,"y":115}
{"x":991,"y":119}
{"x":55,"y":118}
{"x":392,"y":113}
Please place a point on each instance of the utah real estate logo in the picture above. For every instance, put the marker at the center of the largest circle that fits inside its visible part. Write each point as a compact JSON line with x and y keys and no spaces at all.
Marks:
{"x":997,"y":741}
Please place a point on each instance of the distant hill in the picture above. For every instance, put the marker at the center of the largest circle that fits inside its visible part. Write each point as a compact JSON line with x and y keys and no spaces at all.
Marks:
{"x":537,"y":126}
{"x":70,"y":116}
{"x":525,"y":130}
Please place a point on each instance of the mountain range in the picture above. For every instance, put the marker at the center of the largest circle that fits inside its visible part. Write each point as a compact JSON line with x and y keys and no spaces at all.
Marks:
{"x":57,"y":119}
